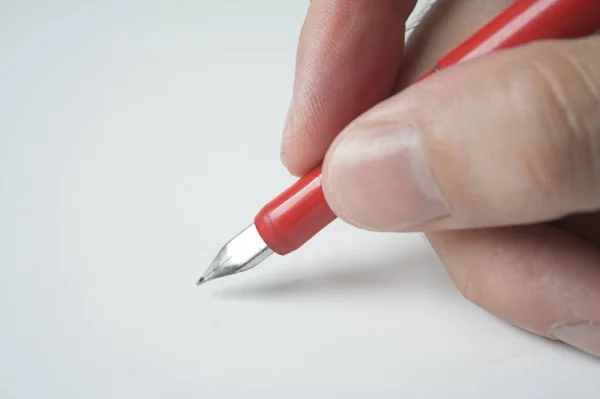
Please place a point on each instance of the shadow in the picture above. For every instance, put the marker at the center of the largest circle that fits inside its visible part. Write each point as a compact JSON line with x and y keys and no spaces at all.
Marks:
{"x":390,"y":275}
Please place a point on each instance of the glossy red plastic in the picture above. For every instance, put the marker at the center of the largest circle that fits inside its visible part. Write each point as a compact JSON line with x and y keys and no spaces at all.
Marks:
{"x":299,"y":213}
{"x":295,"y":216}
{"x":527,"y":21}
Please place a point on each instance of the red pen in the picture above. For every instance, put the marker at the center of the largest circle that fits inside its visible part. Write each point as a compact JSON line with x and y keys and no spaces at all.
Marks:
{"x":300,"y":212}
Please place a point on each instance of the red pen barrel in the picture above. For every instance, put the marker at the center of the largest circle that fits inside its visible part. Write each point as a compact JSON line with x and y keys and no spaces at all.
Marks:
{"x":527,"y":21}
{"x":291,"y":219}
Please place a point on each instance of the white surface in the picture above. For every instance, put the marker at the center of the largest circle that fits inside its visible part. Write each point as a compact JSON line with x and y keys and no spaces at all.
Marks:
{"x":135,"y":139}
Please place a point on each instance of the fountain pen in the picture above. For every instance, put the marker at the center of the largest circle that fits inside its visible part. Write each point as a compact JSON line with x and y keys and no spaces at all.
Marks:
{"x":300,"y":212}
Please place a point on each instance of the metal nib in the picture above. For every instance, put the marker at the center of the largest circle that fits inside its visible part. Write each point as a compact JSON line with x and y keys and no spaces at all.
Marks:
{"x":242,"y":253}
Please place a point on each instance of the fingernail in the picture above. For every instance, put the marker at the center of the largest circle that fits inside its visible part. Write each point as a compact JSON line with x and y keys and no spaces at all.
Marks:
{"x":584,"y":336}
{"x":286,"y":133}
{"x":380,"y":178}
{"x":288,"y":119}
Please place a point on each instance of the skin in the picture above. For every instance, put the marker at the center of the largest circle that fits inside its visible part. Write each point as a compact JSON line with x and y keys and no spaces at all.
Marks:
{"x":511,"y":142}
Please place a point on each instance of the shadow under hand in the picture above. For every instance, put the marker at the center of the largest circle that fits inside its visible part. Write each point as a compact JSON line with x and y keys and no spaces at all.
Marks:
{"x":393,"y":275}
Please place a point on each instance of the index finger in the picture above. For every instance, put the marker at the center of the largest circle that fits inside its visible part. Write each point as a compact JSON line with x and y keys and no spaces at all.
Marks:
{"x":349,"y":55}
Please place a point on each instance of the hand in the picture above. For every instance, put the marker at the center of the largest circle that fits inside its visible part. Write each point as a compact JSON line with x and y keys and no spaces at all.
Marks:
{"x":497,"y":159}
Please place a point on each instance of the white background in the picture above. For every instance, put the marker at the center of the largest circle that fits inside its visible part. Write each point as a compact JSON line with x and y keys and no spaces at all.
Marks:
{"x":135,"y":139}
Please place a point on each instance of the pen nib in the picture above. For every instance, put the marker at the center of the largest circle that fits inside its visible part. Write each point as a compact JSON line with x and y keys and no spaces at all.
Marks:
{"x":242,"y":253}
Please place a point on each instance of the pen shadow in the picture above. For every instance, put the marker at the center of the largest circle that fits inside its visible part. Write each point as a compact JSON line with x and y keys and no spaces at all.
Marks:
{"x":392,"y":275}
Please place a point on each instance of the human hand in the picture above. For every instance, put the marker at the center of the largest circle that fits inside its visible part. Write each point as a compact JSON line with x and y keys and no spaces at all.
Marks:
{"x":497,"y":159}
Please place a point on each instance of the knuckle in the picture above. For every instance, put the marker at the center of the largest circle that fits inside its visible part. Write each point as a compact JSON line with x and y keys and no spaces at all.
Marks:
{"x":477,"y":287}
{"x":468,"y":289}
{"x":468,"y":280}
{"x":562,"y":84}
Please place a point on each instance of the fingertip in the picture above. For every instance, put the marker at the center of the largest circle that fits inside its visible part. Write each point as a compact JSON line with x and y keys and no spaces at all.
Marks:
{"x":296,"y":153}
{"x":289,"y":161}
{"x":285,"y":153}
{"x":348,"y":58}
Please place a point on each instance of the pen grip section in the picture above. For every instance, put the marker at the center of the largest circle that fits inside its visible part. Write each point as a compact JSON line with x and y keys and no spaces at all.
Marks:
{"x":295,"y":216}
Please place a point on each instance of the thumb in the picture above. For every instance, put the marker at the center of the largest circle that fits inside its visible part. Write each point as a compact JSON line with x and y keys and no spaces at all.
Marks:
{"x":511,"y":138}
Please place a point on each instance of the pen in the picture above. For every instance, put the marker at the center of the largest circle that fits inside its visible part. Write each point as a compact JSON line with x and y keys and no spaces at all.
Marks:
{"x":300,"y":212}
